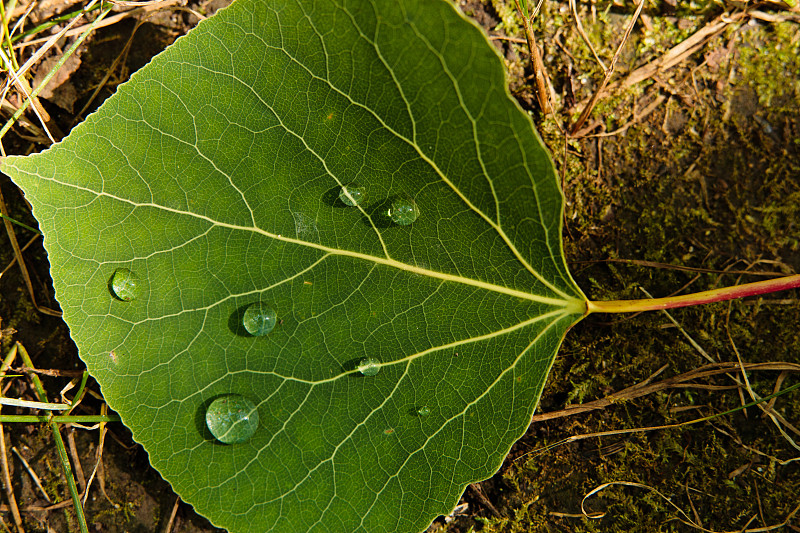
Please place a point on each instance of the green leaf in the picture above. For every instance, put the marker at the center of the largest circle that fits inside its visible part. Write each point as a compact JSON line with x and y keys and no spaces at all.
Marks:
{"x":524,"y":5}
{"x":212,"y":181}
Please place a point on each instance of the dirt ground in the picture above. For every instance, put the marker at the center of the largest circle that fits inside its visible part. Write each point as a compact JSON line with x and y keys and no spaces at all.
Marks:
{"x":685,"y":177}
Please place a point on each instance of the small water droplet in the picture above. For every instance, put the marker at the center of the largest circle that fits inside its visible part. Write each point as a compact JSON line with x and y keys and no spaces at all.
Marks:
{"x":259,"y":319}
{"x":404,"y":211}
{"x":369,"y":366}
{"x":352,"y":194}
{"x":232,"y":419}
{"x":125,"y":284}
{"x":424,"y":411}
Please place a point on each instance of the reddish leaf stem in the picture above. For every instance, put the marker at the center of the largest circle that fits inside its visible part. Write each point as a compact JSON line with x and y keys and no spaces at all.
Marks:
{"x":716,"y":295}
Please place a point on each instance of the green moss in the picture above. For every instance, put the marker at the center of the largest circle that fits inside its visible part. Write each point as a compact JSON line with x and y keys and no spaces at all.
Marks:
{"x":709,"y":180}
{"x":511,"y":23}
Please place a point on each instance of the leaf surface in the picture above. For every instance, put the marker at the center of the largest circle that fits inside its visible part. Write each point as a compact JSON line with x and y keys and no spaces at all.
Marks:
{"x":214,"y":176}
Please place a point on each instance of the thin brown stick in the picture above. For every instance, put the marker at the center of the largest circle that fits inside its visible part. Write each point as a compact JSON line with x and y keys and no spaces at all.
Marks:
{"x":680,"y":381}
{"x":539,"y":72}
{"x":506,"y":38}
{"x":18,"y":254}
{"x":760,"y":508}
{"x":12,"y":501}
{"x":98,"y":469}
{"x":608,"y":73}
{"x":583,"y":35}
{"x":32,"y":474}
{"x":635,"y":119}
{"x":9,"y":488}
{"x":691,"y":504}
{"x":40,"y":508}
{"x":108,"y":21}
{"x":776,"y":418}
{"x":14,"y":259}
{"x":76,"y":460}
{"x":654,"y":264}
{"x":477,"y":490}
{"x":172,"y":515}
{"x":677,"y":54}
{"x":778,"y":383}
{"x":49,"y":371}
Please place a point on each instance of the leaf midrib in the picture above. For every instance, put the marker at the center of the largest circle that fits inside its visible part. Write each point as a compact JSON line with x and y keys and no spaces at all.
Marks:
{"x":570,"y":304}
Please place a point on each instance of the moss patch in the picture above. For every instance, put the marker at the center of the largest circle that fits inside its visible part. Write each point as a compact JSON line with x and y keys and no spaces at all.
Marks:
{"x":710,"y":179}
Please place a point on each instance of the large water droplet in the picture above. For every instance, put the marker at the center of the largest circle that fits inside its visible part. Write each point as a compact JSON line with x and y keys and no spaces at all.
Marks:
{"x":232,"y":419}
{"x":351,"y":195}
{"x":424,"y":411}
{"x":369,"y":366}
{"x":125,"y":284}
{"x":404,"y":211}
{"x":259,"y":319}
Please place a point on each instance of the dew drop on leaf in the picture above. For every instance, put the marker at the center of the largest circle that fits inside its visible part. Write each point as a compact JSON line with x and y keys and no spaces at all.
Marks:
{"x":232,"y":419}
{"x":351,"y":195}
{"x":125,"y":285}
{"x":424,"y":411}
{"x":404,"y":211}
{"x":259,"y":319}
{"x":369,"y":366}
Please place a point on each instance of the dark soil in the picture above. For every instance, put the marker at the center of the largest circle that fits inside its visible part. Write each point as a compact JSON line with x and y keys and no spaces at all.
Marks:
{"x":710,"y":179}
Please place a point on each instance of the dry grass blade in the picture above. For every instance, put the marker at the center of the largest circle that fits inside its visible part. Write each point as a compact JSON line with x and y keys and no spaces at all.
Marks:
{"x":667,"y":266}
{"x":576,"y":438}
{"x":9,"y":488}
{"x":31,"y":473}
{"x":539,"y":72}
{"x":675,"y":55}
{"x":98,"y":470}
{"x":107,"y":21}
{"x":684,"y":380}
{"x":573,"y":8}
{"x":76,"y":460}
{"x":776,"y":418}
{"x":609,"y":72}
{"x":635,"y":119}
{"x":686,"y":520}
{"x":12,"y":501}
{"x":50,"y":42}
{"x":630,"y":484}
{"x":172,"y":515}
{"x":18,"y":255}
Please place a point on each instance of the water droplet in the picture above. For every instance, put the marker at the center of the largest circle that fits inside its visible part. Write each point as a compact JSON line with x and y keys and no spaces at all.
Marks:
{"x":404,"y":211}
{"x":125,"y":284}
{"x":259,"y":319}
{"x":424,"y":411}
{"x":369,"y":366}
{"x":232,"y":419}
{"x":352,"y":195}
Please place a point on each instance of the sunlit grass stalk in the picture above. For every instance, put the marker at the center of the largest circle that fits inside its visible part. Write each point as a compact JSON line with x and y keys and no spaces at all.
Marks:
{"x":61,"y":450}
{"x":54,"y":21}
{"x":46,"y":406}
{"x":18,"y":223}
{"x":79,"y":393}
{"x":60,"y":419}
{"x":52,"y":72}
{"x":9,"y":490}
{"x":6,"y":34}
{"x":568,"y":440}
